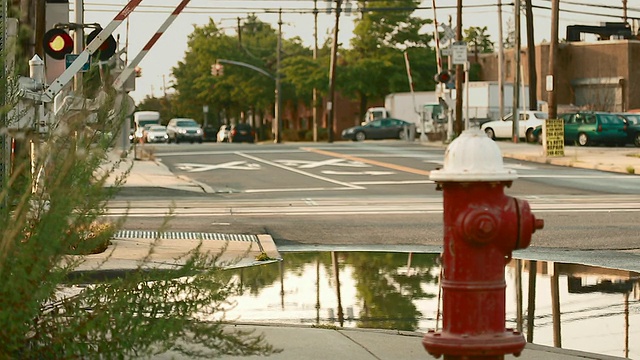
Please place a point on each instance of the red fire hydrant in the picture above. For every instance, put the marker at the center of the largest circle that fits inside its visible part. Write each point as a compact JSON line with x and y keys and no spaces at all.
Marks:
{"x":482,"y":226}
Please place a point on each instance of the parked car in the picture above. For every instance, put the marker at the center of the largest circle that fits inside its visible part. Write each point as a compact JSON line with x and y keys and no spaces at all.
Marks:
{"x":633,"y":127}
{"x":527,"y":122}
{"x":223,"y":134}
{"x":388,"y":128}
{"x":241,"y":133}
{"x":155,"y":134}
{"x":590,"y":128}
{"x":184,"y":129}
{"x":209,"y":133}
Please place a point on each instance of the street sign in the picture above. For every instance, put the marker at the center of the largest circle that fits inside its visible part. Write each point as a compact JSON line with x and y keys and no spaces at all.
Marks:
{"x":446,"y":52}
{"x":459,"y":53}
{"x":70,"y":58}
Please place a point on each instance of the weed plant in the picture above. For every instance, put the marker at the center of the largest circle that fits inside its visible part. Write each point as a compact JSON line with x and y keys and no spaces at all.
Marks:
{"x":52,"y":207}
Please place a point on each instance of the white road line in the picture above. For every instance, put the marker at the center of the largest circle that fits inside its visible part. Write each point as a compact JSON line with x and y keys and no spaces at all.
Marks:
{"x":406,"y":182}
{"x":348,"y":185}
{"x":297,"y":189}
{"x":229,"y":152}
{"x":579,"y":176}
{"x":375,"y":173}
{"x":232,"y":165}
{"x":310,"y":201}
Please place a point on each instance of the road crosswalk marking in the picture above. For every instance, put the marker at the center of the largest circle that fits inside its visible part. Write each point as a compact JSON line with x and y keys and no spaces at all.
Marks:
{"x":235,"y":165}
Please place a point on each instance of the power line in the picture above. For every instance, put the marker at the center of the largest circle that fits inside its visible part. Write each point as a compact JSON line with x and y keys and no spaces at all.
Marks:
{"x":206,"y":10}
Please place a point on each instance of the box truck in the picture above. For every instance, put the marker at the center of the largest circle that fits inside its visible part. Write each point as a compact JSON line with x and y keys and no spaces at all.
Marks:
{"x":142,"y":118}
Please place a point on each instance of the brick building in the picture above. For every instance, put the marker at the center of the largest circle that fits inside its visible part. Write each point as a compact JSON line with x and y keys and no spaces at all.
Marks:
{"x":601,"y":75}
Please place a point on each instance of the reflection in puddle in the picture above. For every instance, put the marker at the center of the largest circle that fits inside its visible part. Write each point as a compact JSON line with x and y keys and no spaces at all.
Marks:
{"x":572,"y":306}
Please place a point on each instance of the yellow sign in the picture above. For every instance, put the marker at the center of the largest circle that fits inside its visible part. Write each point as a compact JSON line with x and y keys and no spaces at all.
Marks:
{"x":553,"y":137}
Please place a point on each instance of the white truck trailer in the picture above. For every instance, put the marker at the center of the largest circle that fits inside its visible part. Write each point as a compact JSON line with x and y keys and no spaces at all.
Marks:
{"x":484,"y":100}
{"x":406,"y":106}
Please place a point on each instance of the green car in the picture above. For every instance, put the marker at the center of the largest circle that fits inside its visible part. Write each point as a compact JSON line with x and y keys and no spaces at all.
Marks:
{"x":633,"y":127}
{"x":590,"y":128}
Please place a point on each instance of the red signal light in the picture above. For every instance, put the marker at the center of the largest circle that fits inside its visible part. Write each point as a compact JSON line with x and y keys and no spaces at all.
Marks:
{"x":443,"y":77}
{"x":107,"y":48}
{"x":57,"y":43}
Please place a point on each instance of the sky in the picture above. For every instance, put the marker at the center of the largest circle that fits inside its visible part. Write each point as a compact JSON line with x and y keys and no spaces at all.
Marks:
{"x":297,"y":18}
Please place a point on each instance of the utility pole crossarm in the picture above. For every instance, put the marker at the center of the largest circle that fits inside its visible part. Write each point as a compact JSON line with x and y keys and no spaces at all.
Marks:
{"x":59,"y":83}
{"x":130,"y":68}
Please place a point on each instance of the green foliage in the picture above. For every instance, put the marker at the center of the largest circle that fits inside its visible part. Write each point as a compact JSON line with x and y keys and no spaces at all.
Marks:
{"x":163,"y":104}
{"x":323,"y":134}
{"x":373,"y":67}
{"x":478,"y":40}
{"x":52,"y":219}
{"x":290,"y":135}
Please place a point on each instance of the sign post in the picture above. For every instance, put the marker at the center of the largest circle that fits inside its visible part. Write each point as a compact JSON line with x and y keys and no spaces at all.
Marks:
{"x":205,"y":110}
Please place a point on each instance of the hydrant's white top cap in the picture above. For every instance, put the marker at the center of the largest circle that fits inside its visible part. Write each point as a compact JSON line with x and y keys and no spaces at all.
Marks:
{"x":473,"y":156}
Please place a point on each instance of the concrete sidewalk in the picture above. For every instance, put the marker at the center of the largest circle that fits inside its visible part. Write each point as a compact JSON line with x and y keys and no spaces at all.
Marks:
{"x":312,"y":343}
{"x":306,"y":342}
{"x":624,"y":160}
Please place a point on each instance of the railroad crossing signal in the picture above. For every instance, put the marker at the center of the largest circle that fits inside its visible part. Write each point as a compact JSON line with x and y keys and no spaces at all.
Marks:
{"x":107,"y":48}
{"x":57,"y":43}
{"x":217,"y":69}
{"x":443,"y":77}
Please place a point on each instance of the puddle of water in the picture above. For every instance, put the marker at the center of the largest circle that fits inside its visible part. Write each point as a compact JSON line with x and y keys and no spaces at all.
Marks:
{"x":571,"y":306}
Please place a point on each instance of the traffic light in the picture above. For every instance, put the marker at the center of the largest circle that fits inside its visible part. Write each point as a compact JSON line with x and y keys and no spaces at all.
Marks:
{"x":443,"y":77}
{"x":217,"y":69}
{"x":57,"y":43}
{"x":108,"y":47}
{"x":138,"y":71}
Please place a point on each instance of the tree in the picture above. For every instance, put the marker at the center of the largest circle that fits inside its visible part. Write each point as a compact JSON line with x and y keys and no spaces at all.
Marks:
{"x":375,"y":65}
{"x":478,"y":41}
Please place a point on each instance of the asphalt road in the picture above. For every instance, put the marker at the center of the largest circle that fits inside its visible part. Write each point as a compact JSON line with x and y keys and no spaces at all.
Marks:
{"x":369,"y":194}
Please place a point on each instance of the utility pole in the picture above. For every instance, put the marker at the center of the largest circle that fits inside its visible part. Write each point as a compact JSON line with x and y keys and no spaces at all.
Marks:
{"x":459,"y":72}
{"x":278,"y":111}
{"x":516,"y":84}
{"x":332,"y":74}
{"x":531,"y":56}
{"x":553,"y":52}
{"x":40,"y":27}
{"x":4,"y":138}
{"x":315,"y":58}
{"x":78,"y":40}
{"x":500,"y":62}
{"x":239,"y":34}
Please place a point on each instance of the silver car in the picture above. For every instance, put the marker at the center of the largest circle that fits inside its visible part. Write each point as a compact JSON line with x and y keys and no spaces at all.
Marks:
{"x":184,"y":129}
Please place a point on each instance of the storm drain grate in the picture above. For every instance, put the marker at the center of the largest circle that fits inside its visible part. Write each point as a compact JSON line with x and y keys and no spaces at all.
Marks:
{"x":174,"y":235}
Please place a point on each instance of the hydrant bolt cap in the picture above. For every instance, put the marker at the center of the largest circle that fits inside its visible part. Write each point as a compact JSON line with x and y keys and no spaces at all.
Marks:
{"x":473,"y":157}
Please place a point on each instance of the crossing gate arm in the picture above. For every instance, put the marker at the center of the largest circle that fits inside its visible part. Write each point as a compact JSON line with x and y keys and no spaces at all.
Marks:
{"x":130,"y":68}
